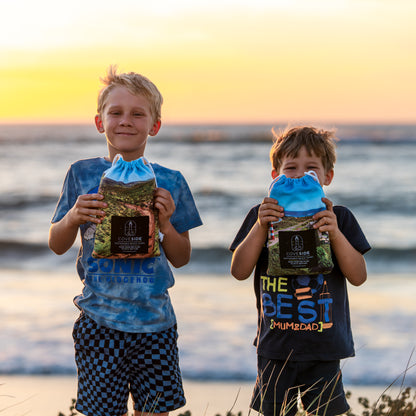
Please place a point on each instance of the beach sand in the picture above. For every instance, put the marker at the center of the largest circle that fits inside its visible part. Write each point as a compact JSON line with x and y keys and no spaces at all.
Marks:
{"x":49,"y":395}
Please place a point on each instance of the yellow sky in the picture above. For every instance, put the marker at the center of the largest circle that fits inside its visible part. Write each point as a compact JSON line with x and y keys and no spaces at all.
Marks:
{"x":219,"y":61}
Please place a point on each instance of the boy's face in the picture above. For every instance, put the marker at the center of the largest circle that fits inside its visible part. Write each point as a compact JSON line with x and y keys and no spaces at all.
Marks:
{"x":127,"y":121}
{"x":295,"y":167}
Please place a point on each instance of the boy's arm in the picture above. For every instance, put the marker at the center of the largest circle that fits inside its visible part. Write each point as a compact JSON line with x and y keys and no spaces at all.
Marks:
{"x":63,"y":233}
{"x":176,"y":246}
{"x":351,"y":261}
{"x":248,"y":252}
{"x":245,"y":256}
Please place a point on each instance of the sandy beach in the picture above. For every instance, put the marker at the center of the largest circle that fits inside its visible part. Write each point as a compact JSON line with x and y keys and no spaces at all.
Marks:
{"x":49,"y":395}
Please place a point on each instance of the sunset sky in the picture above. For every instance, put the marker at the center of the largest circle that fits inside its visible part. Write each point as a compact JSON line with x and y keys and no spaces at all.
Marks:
{"x":216,"y":61}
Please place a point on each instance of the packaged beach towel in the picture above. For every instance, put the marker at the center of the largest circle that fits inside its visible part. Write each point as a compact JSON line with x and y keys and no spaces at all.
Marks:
{"x":294,"y":246}
{"x":130,"y":228}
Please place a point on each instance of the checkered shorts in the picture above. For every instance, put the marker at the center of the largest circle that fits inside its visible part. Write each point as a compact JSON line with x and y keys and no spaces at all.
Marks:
{"x":111,"y":364}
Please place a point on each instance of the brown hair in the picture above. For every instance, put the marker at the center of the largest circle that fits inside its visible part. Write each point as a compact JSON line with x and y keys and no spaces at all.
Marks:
{"x":290,"y":141}
{"x":137,"y":84}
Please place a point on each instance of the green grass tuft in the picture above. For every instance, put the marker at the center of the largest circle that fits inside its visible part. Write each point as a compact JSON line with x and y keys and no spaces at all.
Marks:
{"x":402,"y":405}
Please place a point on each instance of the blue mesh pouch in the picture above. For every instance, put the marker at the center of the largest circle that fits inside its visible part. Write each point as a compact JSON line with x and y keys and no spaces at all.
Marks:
{"x":294,"y":246}
{"x":130,"y":228}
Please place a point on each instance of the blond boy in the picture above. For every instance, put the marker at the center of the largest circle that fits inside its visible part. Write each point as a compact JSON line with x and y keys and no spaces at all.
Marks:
{"x":125,"y":337}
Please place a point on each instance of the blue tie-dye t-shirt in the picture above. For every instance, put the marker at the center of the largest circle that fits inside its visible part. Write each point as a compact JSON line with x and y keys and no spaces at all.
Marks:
{"x":129,"y":295}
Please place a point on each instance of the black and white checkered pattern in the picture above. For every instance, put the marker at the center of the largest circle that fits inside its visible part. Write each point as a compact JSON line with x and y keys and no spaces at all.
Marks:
{"x":111,"y":364}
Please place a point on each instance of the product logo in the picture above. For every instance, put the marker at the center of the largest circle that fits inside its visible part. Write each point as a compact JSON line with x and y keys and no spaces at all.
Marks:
{"x":296,"y":243}
{"x":130,"y":228}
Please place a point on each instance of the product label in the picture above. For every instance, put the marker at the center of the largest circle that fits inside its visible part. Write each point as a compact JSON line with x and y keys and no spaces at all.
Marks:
{"x":298,"y":249}
{"x":130,"y":235}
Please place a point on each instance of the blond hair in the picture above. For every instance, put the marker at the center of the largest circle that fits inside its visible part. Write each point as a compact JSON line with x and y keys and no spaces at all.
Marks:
{"x":318,"y":141}
{"x":137,"y":85}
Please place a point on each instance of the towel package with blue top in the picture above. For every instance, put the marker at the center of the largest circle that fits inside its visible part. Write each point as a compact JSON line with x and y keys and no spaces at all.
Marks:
{"x":294,"y":246}
{"x":130,"y":227}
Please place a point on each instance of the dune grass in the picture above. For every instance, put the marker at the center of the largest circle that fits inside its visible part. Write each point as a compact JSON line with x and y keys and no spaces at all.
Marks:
{"x":403,"y":404}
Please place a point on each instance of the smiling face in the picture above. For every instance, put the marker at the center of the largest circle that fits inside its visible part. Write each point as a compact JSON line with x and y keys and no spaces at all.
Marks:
{"x":303,"y":161}
{"x":127,"y":122}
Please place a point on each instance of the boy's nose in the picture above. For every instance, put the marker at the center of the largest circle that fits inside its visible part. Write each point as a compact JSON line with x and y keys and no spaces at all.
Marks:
{"x":125,"y":121}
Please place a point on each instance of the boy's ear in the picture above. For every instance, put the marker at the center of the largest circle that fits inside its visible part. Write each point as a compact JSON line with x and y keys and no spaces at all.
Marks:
{"x":155,"y":129}
{"x":274,"y":173}
{"x":328,"y":177}
{"x":99,"y":123}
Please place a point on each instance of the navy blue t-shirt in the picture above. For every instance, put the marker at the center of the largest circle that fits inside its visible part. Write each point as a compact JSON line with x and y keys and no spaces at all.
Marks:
{"x":304,"y":318}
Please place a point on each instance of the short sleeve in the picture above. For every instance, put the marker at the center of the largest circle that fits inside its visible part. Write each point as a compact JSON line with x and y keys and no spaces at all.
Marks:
{"x":350,"y":227}
{"x":186,"y":215}
{"x":245,"y":228}
{"x":67,"y":197}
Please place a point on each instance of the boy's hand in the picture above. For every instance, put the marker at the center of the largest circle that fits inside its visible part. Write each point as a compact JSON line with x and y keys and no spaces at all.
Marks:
{"x":88,"y":207}
{"x":165,"y":205}
{"x":350,"y":261}
{"x":176,"y":246}
{"x":269,"y":211}
{"x":326,"y":220}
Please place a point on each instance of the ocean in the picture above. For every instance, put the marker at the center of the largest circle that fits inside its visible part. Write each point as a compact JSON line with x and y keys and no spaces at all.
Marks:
{"x":228,"y":170}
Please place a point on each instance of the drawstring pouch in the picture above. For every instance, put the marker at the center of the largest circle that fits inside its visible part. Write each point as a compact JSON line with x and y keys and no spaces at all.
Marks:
{"x":130,"y":228}
{"x":294,"y":246}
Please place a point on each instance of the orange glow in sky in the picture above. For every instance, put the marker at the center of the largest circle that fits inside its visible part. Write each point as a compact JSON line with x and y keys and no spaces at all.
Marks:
{"x":217,"y":61}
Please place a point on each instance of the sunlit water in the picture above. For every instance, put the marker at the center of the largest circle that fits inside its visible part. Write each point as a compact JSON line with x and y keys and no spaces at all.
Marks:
{"x":216,"y":314}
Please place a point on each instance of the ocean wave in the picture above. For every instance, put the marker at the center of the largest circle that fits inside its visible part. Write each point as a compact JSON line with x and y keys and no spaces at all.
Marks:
{"x":212,"y":259}
{"x":19,"y":248}
{"x":22,"y":201}
{"x":193,"y":374}
{"x":379,"y":260}
{"x":216,"y":198}
{"x":206,"y":197}
{"x":352,"y":374}
{"x":205,"y":254}
{"x":217,"y":133}
{"x":377,"y":203}
{"x":36,"y":369}
{"x":212,"y":198}
{"x":18,"y":255}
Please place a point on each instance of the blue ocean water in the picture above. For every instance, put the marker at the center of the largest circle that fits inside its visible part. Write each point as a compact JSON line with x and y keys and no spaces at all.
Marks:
{"x":228,"y":170}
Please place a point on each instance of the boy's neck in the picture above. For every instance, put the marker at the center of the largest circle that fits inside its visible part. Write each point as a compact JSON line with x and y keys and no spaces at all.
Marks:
{"x":128,"y":157}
